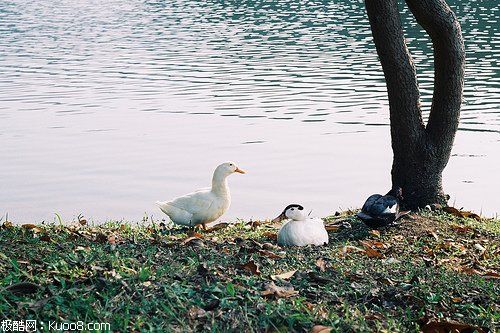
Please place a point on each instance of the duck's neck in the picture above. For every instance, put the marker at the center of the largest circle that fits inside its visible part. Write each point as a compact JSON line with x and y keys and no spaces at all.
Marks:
{"x":219,"y":184}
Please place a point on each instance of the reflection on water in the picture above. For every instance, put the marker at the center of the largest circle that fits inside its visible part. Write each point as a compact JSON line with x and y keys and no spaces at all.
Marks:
{"x":109,"y":106}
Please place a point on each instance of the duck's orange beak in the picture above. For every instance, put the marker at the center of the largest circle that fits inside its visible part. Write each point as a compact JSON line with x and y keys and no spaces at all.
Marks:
{"x":238,"y":170}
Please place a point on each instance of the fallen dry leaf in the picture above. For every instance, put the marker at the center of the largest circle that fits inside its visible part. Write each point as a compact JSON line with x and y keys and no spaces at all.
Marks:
{"x":45,"y":238}
{"x":255,"y":224}
{"x":251,"y":267}
{"x":321,"y":329}
{"x":32,"y":227}
{"x":101,"y":238}
{"x":218,"y":226}
{"x":350,"y":248}
{"x":370,"y":251}
{"x":195,"y":234}
{"x":283,"y":276}
{"x":278,"y":292}
{"x":452,"y":211}
{"x":460,"y":213}
{"x":387,"y":281}
{"x":332,"y":227}
{"x":404,"y":214}
{"x":479,"y":247}
{"x":375,"y":316}
{"x":310,"y":306}
{"x":375,"y":233}
{"x":255,"y":244}
{"x":471,"y":215}
{"x":469,"y":270}
{"x":188,"y":240}
{"x":321,"y":264}
{"x":315,"y":277}
{"x":196,"y":312}
{"x":112,"y":239}
{"x":433,"y":234}
{"x":378,"y":244}
{"x":35,"y":306}
{"x":23,"y":288}
{"x":270,"y":235}
{"x":435,"y":326}
{"x":212,"y":305}
{"x":7,"y":224}
{"x":460,"y":229}
{"x":270,"y":254}
{"x":492,"y":274}
{"x":270,"y":246}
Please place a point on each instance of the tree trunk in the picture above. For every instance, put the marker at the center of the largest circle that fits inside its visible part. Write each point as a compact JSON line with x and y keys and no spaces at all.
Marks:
{"x":420,"y":152}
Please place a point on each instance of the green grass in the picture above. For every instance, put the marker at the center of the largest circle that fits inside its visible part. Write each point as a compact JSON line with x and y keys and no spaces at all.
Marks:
{"x":150,"y":279}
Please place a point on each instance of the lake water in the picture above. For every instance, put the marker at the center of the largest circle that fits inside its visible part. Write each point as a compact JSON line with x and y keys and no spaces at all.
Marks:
{"x":108,"y":106}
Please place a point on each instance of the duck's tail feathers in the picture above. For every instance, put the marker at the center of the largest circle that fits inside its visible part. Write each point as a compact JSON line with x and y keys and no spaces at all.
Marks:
{"x":162,"y":205}
{"x":363,"y":216}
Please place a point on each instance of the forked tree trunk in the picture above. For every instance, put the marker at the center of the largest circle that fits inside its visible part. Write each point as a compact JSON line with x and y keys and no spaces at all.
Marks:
{"x":420,"y":152}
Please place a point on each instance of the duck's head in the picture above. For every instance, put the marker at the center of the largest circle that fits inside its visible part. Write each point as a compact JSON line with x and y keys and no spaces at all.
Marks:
{"x":228,"y":168}
{"x":294,"y":212}
{"x":396,"y":192}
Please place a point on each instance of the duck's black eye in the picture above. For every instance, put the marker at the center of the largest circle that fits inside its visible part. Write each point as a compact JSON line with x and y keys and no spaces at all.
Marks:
{"x":230,"y":164}
{"x":292,"y":209}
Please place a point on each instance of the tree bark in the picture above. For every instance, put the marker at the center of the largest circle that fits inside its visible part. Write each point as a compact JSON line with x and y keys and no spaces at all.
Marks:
{"x":420,"y":152}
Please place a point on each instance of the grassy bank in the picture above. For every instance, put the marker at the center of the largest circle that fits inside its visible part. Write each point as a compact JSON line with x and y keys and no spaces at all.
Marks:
{"x":433,"y":269}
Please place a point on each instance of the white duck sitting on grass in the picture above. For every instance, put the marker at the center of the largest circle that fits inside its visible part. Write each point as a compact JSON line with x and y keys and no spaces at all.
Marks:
{"x":300,"y":230}
{"x":205,"y":205}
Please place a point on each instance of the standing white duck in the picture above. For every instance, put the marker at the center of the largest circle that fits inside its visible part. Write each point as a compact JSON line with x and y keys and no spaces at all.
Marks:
{"x":300,"y":230}
{"x":205,"y":205}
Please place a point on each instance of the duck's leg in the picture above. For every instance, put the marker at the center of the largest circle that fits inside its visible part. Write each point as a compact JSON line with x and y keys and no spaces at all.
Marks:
{"x":204,"y":226}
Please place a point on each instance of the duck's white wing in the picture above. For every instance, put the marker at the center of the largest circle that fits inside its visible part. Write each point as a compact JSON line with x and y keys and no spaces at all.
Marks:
{"x":177,"y":215}
{"x":187,"y":209}
{"x":292,"y":233}
{"x":284,"y":237}
{"x":317,"y":232}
